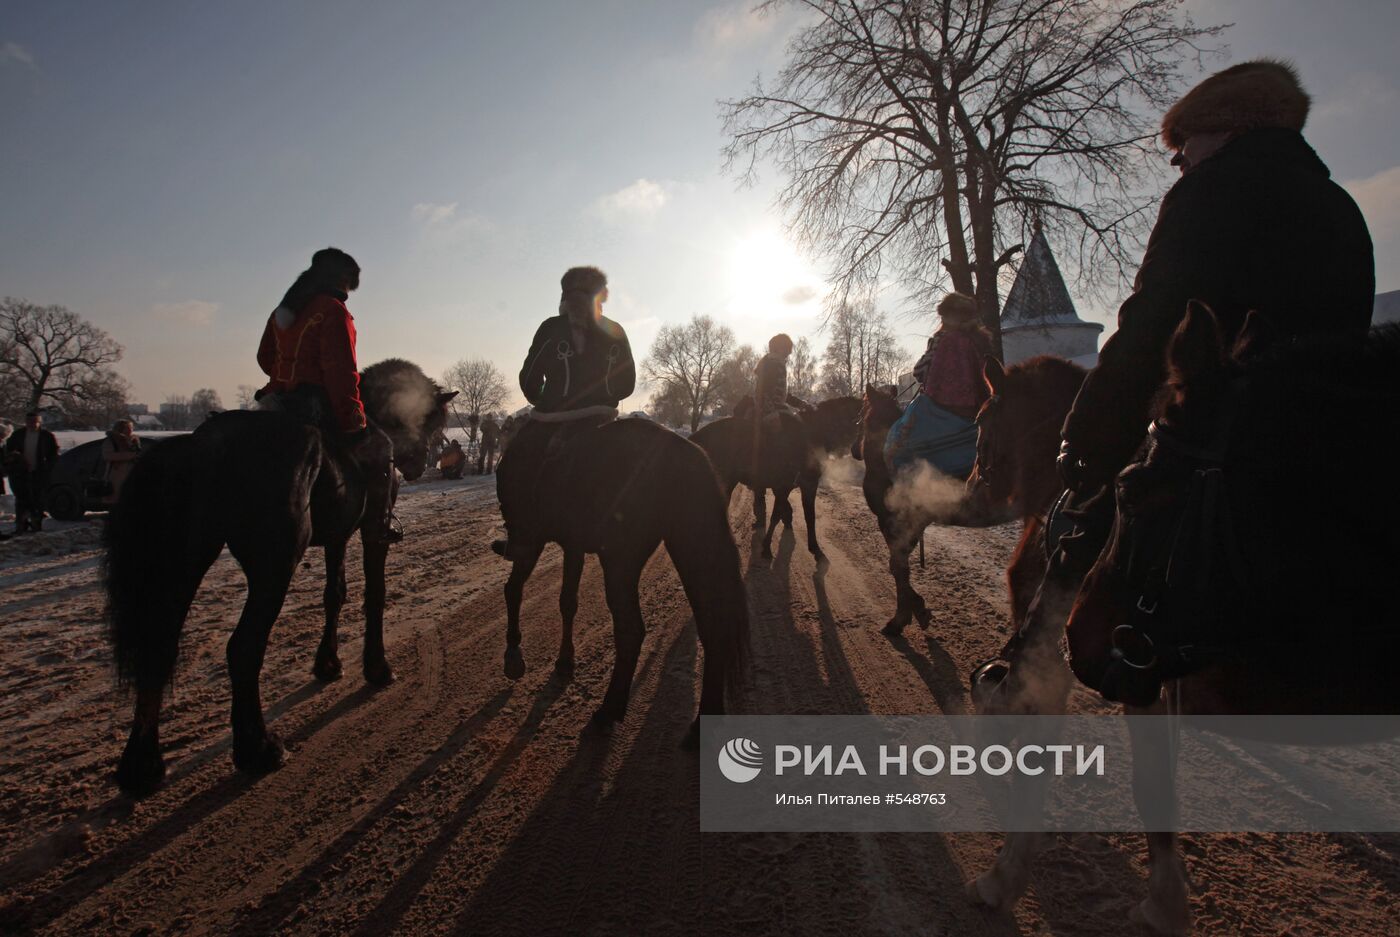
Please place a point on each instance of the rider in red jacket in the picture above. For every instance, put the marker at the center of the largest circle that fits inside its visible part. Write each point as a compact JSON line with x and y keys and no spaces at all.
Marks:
{"x":308,"y":354}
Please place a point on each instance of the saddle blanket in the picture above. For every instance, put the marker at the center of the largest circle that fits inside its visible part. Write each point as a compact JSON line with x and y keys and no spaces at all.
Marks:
{"x":926,"y":432}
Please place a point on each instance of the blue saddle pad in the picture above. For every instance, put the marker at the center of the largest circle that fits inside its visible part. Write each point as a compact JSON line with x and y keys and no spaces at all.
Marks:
{"x":926,"y":432}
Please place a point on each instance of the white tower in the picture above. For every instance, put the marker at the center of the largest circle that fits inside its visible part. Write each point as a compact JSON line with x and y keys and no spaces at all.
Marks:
{"x":1039,"y":316}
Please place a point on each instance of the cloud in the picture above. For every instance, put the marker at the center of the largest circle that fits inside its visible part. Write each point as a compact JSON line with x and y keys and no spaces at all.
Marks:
{"x":641,"y":199}
{"x":433,"y":213}
{"x":190,"y":312}
{"x":799,"y":295}
{"x":1379,"y":198}
{"x":14,"y":52}
{"x":732,"y":27}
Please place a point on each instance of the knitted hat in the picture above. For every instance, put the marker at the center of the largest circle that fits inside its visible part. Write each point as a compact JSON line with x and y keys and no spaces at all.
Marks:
{"x":1249,"y":96}
{"x":957,"y":307}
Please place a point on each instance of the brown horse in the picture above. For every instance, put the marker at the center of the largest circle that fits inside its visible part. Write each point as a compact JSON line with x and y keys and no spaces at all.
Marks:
{"x":783,"y":452}
{"x":1014,"y":476}
{"x":1213,"y":587}
{"x":620,"y":490}
{"x":267,"y":486}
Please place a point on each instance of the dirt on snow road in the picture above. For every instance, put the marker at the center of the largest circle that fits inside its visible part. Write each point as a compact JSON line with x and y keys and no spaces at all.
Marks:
{"x":456,"y":801}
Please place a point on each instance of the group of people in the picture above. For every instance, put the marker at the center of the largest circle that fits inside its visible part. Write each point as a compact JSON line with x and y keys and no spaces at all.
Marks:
{"x":30,"y":453}
{"x":1254,"y":224}
{"x":490,"y":437}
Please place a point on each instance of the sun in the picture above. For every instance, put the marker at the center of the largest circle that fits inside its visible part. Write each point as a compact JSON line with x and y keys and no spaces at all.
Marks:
{"x":768,"y":278}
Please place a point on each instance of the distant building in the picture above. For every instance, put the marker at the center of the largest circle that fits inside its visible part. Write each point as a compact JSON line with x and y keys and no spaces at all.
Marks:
{"x":137,"y":409}
{"x":1039,"y":317}
{"x":147,"y":421}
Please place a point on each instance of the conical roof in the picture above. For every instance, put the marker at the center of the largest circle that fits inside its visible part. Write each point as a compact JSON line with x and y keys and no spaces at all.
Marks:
{"x":1039,"y":296}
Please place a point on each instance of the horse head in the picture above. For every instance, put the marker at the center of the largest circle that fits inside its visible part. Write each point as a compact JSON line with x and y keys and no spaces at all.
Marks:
{"x":1018,"y":432}
{"x":408,"y":406}
{"x":834,"y":424}
{"x":879,"y":410}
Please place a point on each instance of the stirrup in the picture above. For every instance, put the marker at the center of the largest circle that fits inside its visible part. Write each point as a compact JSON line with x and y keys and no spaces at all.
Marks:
{"x":391,"y":533}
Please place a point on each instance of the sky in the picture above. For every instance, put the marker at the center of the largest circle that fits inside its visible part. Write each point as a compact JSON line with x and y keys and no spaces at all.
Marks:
{"x":167,"y":168}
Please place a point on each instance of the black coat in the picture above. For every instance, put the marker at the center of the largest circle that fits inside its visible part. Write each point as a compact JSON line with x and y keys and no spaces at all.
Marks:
{"x":1257,"y":226}
{"x":46,"y":455}
{"x":559,"y":375}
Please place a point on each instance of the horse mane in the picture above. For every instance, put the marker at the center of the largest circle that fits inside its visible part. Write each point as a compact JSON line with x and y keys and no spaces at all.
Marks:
{"x":1058,"y":378}
{"x":397,"y":393}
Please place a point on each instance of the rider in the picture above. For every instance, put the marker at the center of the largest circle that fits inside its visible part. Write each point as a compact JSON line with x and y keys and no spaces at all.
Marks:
{"x":770,"y":378}
{"x":1254,"y":223}
{"x":578,"y":369}
{"x":308,"y":354}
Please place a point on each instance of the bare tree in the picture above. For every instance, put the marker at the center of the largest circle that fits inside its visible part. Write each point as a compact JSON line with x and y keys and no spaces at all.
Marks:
{"x":686,"y":359}
{"x":734,"y":380}
{"x":928,"y":137}
{"x":204,"y":402}
{"x":175,"y":412}
{"x":863,"y":350}
{"x":481,"y":388}
{"x":52,"y":354}
{"x":246,"y":396}
{"x":104,"y":403}
{"x":802,"y":370}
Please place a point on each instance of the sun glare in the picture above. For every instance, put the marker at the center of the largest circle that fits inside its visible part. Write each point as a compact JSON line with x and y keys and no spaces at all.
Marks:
{"x":768,"y":278}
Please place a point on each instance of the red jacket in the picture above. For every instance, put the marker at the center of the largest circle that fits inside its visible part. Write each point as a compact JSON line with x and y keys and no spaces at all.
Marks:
{"x":954,"y":376}
{"x":318,"y":348}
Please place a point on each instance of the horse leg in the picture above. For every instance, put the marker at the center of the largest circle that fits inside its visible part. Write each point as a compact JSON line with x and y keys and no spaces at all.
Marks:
{"x":568,"y":608}
{"x":760,"y":507}
{"x":620,"y":578}
{"x":809,"y":514}
{"x":520,"y":571}
{"x":1001,"y":886}
{"x":1026,"y":570}
{"x":141,"y":768}
{"x":908,"y":603}
{"x":1166,"y":909}
{"x":327,"y":666}
{"x":256,"y":750}
{"x":782,"y":511}
{"x":376,"y":666}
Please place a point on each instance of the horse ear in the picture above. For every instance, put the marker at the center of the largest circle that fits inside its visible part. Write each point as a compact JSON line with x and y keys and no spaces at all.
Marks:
{"x":1256,"y":335}
{"x":993,"y":373}
{"x":443,"y":398}
{"x":1196,"y":350}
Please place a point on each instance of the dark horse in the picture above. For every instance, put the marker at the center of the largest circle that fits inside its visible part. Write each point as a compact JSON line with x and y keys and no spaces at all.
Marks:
{"x":784,"y":452}
{"x":1215,"y":585}
{"x":266,"y":486}
{"x":620,"y":490}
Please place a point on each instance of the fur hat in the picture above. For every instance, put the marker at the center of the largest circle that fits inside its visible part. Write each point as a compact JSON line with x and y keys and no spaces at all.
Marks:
{"x":780,"y":344}
{"x":1249,"y":96}
{"x":588,"y":280}
{"x":957,"y":307}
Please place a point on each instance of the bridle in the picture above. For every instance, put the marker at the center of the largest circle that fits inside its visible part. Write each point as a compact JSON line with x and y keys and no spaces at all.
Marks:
{"x":1168,"y":583}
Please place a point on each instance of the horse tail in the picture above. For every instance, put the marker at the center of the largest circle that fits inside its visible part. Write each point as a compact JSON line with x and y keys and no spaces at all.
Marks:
{"x":702,"y":548}
{"x":146,"y":538}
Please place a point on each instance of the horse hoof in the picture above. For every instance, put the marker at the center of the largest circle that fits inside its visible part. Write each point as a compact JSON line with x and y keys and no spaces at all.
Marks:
{"x":515,"y":663}
{"x":139,"y":774}
{"x":564,"y":667}
{"x":1147,"y":914}
{"x":260,"y":756}
{"x":766,"y":553}
{"x":924,"y":617}
{"x":327,"y":669}
{"x":378,"y":673}
{"x":893,"y":628}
